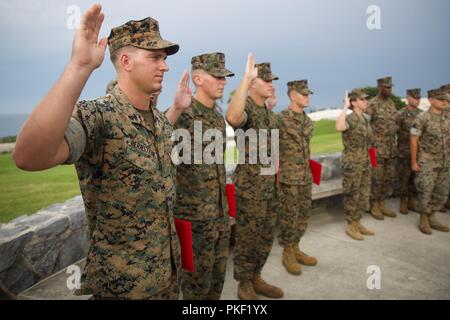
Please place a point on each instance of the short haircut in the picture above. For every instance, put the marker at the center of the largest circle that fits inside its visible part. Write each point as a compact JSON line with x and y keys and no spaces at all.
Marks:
{"x":115,"y":55}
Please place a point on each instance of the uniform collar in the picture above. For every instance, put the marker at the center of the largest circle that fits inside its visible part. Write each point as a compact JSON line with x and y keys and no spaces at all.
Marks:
{"x":296,"y":115}
{"x":379,"y":100}
{"x":436,"y":116}
{"x":198,"y":108}
{"x":253,"y":103}
{"x":133,"y":114}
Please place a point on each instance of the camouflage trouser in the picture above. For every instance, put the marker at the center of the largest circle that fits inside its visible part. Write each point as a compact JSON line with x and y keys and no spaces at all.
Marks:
{"x":356,"y":190}
{"x":210,"y":242}
{"x":406,"y":178}
{"x":432,"y":187}
{"x":172,"y":292}
{"x":255,"y":232}
{"x":381,"y":179}
{"x":295,"y":212}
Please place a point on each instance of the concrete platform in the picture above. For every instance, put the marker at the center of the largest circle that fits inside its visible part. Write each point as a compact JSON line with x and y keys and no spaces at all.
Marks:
{"x":54,"y":287}
{"x":412,"y":265}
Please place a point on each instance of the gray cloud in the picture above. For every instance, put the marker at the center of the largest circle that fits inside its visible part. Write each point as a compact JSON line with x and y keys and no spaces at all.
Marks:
{"x":325,"y":41}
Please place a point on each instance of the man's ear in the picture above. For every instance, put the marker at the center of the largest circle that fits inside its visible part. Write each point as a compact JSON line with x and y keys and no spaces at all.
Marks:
{"x":197,"y":79}
{"x":252,"y":84}
{"x":293,"y":94}
{"x":125,"y":61}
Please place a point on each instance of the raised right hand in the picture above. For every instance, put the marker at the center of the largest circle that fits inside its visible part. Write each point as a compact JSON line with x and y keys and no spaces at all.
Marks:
{"x":346,"y":100}
{"x":183,"y":94}
{"x":251,"y":72}
{"x":271,"y":101}
{"x":87,"y":51}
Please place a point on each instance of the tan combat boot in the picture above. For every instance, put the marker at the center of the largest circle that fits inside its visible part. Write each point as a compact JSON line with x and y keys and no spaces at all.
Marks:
{"x":289,"y":261}
{"x":353,"y":232}
{"x":403,"y":205}
{"x":436,"y":224}
{"x":262,"y":287}
{"x":375,"y":211}
{"x":424,"y":224}
{"x":303,"y":258}
{"x":386,"y":211}
{"x":363,"y":230}
{"x":412,"y":204}
{"x":246,"y":291}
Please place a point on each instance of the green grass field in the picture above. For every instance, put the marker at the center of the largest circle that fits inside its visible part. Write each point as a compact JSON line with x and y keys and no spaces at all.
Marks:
{"x":325,"y":138}
{"x":24,"y":192}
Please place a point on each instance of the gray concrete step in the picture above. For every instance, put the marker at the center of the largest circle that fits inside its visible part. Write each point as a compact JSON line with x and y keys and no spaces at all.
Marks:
{"x":54,"y":287}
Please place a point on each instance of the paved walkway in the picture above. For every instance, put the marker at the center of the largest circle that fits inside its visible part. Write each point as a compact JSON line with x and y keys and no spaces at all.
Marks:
{"x":412,"y":265}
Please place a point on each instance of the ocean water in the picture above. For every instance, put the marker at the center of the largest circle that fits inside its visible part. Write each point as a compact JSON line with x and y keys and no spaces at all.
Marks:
{"x":10,"y":124}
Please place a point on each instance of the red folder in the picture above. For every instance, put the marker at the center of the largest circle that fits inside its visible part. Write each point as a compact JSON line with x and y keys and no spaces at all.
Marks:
{"x":184,"y":231}
{"x":316,"y":171}
{"x":373,"y":157}
{"x":231,"y":200}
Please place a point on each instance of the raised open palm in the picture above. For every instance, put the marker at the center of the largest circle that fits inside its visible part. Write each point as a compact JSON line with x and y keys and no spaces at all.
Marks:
{"x":87,"y":51}
{"x":251,"y":72}
{"x":183,"y":95}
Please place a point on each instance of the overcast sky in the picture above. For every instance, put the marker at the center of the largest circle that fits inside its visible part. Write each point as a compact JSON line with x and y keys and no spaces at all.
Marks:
{"x":324,"y":41}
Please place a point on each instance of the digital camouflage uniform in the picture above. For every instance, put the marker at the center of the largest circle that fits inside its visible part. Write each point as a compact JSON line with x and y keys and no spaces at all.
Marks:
{"x":256,"y":215}
{"x":111,"y":86}
{"x":382,"y":120}
{"x":356,"y":163}
{"x":127,"y":182}
{"x":446,"y":89}
{"x":433,"y":157}
{"x":296,"y":131}
{"x":404,"y":120}
{"x":201,"y":197}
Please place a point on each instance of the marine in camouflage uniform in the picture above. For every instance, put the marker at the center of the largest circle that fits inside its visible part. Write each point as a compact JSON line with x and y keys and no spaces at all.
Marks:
{"x":122,"y":157}
{"x":296,"y":130}
{"x":404,"y":119}
{"x":256,"y":214}
{"x":446,"y":88}
{"x":382,"y":113}
{"x":201,"y":195}
{"x":356,"y":138}
{"x":430,"y":137}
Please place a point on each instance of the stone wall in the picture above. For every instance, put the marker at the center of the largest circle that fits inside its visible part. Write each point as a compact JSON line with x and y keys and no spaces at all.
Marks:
{"x":331,"y":165}
{"x":33,"y":247}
